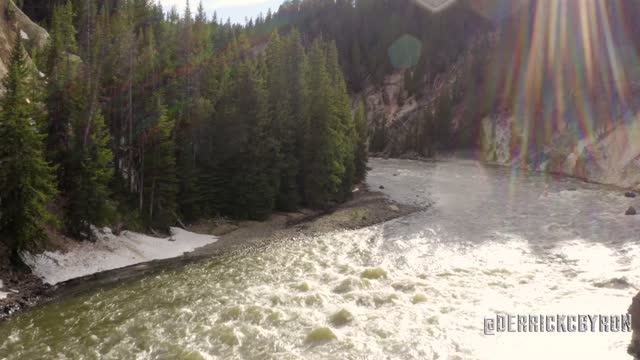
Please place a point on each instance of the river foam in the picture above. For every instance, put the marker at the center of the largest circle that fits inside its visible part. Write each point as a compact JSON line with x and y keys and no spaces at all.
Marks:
{"x":418,"y":287}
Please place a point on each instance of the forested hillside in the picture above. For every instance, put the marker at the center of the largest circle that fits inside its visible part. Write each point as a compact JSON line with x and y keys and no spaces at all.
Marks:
{"x":151,"y":119}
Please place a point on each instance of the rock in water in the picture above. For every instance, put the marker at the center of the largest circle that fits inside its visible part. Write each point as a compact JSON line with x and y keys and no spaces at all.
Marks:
{"x":381,"y":187}
{"x":615,"y":283}
{"x":631,"y":211}
{"x":341,"y":318}
{"x":319,"y":336}
{"x":630,"y":194}
{"x":634,"y":310}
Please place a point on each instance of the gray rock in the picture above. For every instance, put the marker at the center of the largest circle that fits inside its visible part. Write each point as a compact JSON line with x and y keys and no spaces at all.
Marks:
{"x":381,"y":187}
{"x":631,"y":211}
{"x":630,"y":194}
{"x":615,"y":283}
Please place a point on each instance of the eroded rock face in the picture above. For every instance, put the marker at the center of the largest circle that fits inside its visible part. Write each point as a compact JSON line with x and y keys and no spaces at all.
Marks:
{"x":634,"y":310}
{"x":610,"y":156}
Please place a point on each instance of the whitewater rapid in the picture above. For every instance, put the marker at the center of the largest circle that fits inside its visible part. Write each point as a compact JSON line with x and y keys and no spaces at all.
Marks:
{"x":492,"y":241}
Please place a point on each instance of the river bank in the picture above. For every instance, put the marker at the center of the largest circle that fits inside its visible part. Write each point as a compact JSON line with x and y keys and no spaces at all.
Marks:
{"x":24,"y":289}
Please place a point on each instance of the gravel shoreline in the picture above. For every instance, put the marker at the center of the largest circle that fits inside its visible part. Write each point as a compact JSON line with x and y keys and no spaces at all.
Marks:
{"x":367,"y":208}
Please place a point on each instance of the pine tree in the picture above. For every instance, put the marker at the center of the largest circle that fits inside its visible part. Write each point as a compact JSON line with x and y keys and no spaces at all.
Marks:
{"x":26,"y":179}
{"x":159,"y":170}
{"x":296,"y":61}
{"x":324,"y":168}
{"x":60,"y":69}
{"x":282,"y":119}
{"x":345,"y":130}
{"x":92,"y":171}
{"x":255,"y":183}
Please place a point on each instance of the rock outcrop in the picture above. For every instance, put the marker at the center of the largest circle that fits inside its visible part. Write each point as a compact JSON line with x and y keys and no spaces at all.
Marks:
{"x":608,"y":156}
{"x":13,"y":22}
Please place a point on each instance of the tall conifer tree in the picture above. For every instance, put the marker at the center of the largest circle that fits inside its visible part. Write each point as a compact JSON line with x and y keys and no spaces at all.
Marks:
{"x":26,"y":179}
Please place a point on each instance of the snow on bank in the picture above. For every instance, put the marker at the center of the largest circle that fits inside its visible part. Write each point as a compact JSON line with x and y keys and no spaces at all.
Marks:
{"x":112,"y":252}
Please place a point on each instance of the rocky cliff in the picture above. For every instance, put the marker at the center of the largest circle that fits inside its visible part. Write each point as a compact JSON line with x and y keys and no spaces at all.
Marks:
{"x":518,"y":105}
{"x":13,"y":22}
{"x":610,"y":156}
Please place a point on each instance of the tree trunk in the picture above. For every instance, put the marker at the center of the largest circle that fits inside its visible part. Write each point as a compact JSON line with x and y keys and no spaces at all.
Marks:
{"x":153,"y":193}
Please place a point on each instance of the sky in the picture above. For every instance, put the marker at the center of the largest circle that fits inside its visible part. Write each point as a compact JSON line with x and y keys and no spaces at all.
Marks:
{"x":237,"y":10}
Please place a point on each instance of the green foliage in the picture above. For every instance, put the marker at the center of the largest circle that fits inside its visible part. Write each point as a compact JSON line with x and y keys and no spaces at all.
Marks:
{"x":324,"y":170}
{"x":159,"y":178}
{"x":92,"y":170}
{"x":61,"y":71}
{"x":26,"y":179}
{"x":159,"y":121}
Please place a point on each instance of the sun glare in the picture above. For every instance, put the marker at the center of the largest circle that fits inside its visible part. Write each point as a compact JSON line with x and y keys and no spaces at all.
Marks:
{"x":567,"y":73}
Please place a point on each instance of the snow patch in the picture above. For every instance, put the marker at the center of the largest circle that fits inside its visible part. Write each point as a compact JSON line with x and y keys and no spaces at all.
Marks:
{"x":112,"y":252}
{"x":24,"y":35}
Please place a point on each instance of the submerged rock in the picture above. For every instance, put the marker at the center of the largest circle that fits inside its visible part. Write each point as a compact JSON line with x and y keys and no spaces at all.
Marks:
{"x":341,"y":318}
{"x":319,"y":336}
{"x":419,"y":298}
{"x":615,"y":283}
{"x":630,"y":194}
{"x":375,"y":273}
{"x":303,"y":286}
{"x":382,"y":300}
{"x":349,"y":284}
{"x":631,"y":211}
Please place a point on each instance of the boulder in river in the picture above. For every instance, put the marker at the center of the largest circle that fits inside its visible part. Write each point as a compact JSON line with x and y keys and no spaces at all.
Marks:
{"x":634,"y":310}
{"x":319,"y":336}
{"x":631,"y":211}
{"x":630,"y":194}
{"x":381,"y":187}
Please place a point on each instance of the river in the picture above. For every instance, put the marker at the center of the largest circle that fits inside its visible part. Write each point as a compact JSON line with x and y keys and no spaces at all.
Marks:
{"x":417,"y":287}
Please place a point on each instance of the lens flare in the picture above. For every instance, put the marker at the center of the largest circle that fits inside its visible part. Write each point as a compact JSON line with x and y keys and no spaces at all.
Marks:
{"x":564,"y":69}
{"x":435,"y":5}
{"x":405,"y":52}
